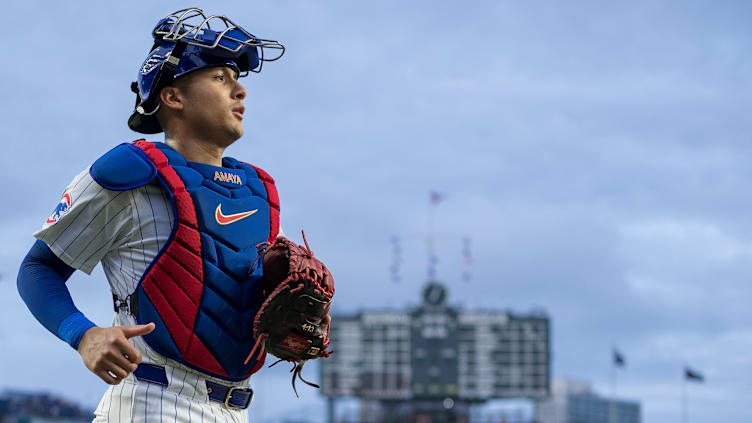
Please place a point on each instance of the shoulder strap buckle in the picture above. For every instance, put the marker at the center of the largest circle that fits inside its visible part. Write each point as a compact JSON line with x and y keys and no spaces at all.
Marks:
{"x":129,"y":304}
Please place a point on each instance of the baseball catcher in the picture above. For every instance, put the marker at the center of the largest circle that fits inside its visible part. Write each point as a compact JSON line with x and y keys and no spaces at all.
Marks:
{"x":203,"y":281}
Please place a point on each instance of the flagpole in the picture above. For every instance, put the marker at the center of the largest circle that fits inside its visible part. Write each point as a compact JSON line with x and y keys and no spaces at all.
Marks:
{"x":613,"y":392}
{"x":688,"y":375}
{"x":613,"y":386}
{"x":684,"y":397}
{"x":431,"y":254}
{"x":434,"y":199}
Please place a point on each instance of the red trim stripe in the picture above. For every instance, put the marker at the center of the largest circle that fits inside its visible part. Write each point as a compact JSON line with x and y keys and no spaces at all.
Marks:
{"x":185,"y":249}
{"x":272,"y":197}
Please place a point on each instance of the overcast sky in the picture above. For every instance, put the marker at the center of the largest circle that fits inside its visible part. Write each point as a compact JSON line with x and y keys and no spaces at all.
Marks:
{"x":597,"y":155}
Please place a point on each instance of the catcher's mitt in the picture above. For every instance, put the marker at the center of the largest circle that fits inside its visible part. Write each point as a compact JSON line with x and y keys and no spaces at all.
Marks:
{"x":293,"y":322}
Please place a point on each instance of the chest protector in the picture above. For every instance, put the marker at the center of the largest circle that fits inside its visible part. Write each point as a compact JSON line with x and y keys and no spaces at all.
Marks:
{"x":203,"y":289}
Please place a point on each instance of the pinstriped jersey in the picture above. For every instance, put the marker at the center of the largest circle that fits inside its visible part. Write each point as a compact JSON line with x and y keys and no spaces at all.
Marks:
{"x":124,"y":230}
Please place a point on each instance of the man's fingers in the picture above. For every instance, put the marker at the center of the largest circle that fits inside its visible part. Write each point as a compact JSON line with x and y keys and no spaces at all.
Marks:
{"x":116,"y":370}
{"x":108,"y":354}
{"x":128,"y":351}
{"x":107,"y":377}
{"x":137,"y":330}
{"x":118,"y":358}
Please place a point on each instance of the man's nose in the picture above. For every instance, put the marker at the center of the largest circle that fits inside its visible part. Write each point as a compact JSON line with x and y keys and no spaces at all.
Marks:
{"x":240,"y":92}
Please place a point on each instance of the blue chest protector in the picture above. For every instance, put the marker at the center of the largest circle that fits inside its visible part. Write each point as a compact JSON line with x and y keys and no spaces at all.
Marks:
{"x":203,"y":289}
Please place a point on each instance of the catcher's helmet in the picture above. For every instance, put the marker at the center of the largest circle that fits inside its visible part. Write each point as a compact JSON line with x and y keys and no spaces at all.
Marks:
{"x":185,"y":41}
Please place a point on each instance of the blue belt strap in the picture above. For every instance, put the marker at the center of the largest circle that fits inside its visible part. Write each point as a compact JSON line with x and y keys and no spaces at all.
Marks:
{"x":230,"y":396}
{"x":151,"y":373}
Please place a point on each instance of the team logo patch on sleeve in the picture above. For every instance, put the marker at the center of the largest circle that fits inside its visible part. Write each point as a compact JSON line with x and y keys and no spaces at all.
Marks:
{"x":61,"y":210}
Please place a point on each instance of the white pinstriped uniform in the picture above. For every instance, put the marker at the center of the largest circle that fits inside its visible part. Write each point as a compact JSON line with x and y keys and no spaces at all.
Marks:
{"x":124,"y":230}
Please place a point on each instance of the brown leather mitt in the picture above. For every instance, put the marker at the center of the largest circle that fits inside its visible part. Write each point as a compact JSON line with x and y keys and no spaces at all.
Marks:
{"x":293,"y":322}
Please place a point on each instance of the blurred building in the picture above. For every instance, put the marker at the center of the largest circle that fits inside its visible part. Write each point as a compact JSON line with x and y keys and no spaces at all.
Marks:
{"x":575,"y":402}
{"x":28,"y":407}
{"x":434,"y":362}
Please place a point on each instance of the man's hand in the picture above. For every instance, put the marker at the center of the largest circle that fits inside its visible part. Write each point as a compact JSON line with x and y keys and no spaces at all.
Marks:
{"x":107,"y":352}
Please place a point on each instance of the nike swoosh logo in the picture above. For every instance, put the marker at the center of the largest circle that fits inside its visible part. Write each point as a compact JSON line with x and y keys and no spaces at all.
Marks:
{"x":226,"y":219}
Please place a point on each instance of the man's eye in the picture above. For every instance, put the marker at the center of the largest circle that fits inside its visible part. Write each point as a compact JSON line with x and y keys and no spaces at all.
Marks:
{"x":220,"y":77}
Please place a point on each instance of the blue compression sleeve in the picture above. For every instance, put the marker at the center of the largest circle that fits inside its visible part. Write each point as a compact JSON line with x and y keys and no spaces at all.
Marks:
{"x":41,"y":283}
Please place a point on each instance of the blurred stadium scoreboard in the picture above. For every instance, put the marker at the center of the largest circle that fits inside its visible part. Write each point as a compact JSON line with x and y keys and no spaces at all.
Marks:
{"x":438,"y":352}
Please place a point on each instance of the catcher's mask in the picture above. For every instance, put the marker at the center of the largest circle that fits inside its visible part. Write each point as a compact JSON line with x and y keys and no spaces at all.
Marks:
{"x":188,"y":40}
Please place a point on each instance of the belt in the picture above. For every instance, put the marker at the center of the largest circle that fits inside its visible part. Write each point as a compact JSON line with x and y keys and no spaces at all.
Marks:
{"x":232,"y":397}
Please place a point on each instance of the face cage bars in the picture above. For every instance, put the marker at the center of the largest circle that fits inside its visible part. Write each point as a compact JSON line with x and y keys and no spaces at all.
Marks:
{"x":189,"y":33}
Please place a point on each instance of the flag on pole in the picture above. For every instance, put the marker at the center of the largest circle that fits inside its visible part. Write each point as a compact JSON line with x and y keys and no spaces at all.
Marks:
{"x":619,"y":360}
{"x":690,"y":374}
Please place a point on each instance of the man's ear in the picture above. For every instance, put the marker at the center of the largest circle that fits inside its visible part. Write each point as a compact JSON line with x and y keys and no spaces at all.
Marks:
{"x":171,"y":98}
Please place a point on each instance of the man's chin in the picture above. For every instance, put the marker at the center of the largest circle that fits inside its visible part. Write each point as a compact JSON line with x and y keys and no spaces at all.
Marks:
{"x":237,"y":134}
{"x":232,"y":136}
